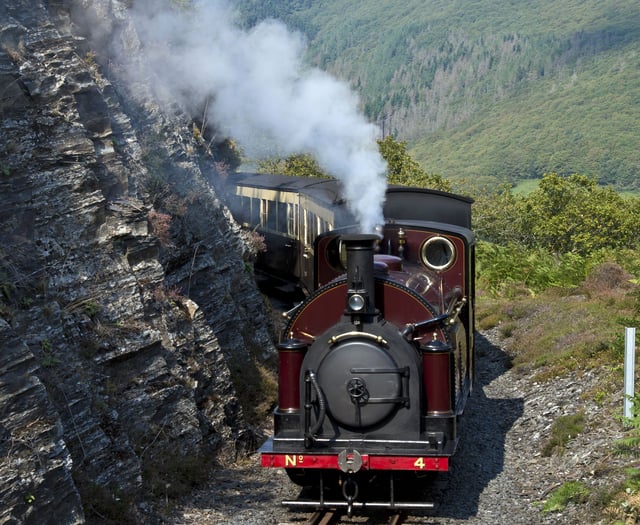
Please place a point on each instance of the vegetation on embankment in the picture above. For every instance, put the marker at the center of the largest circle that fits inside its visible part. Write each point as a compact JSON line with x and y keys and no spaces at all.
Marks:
{"x":558,"y":276}
{"x":558,"y":272}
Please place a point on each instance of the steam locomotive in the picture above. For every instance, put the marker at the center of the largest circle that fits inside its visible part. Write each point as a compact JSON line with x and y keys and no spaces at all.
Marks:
{"x":377,"y":362}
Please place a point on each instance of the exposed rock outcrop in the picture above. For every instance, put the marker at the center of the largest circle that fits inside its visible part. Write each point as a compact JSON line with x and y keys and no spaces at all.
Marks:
{"x":126,"y":304}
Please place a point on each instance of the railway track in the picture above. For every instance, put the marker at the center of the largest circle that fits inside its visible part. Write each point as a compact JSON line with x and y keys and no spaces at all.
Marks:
{"x":332,"y":517}
{"x":324,"y":517}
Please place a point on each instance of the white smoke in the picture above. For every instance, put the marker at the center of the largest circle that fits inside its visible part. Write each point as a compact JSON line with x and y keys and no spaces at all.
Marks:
{"x":263,"y":96}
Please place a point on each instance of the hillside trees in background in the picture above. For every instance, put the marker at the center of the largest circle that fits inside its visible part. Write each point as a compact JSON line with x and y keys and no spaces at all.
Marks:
{"x":484,"y":89}
{"x":292,"y":11}
{"x":556,"y":234}
{"x":574,"y":214}
{"x":564,"y":214}
{"x":402,"y":168}
{"x":301,"y":165}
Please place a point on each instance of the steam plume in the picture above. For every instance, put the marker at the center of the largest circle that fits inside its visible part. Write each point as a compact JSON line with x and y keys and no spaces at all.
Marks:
{"x":262,"y":94}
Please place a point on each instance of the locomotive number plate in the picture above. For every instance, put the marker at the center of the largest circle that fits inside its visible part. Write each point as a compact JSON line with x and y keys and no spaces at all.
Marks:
{"x":369,"y":462}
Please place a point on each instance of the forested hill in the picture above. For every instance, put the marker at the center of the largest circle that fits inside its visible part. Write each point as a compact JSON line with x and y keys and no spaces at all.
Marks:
{"x":491,"y":88}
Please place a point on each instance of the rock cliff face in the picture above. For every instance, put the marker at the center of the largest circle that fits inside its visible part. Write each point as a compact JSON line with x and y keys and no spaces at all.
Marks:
{"x":125,"y":302}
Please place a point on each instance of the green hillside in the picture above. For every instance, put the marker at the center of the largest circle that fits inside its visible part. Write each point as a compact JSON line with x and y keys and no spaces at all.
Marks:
{"x":488,"y":89}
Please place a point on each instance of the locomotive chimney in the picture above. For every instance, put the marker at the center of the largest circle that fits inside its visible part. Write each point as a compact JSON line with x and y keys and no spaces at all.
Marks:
{"x":360,"y":275}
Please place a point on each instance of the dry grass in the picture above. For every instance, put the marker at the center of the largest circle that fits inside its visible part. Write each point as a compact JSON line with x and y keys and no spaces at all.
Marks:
{"x":561,"y":331}
{"x":624,"y":508}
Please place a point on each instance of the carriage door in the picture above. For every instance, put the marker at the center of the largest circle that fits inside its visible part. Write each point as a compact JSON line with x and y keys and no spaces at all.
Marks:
{"x":307,"y":237}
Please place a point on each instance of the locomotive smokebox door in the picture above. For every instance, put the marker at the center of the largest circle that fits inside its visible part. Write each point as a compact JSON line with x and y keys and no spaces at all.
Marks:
{"x":361,"y":383}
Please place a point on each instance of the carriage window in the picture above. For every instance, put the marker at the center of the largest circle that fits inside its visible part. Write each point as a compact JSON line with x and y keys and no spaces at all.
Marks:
{"x":307,"y":226}
{"x":263,"y":212}
{"x":282,"y":217}
{"x":245,"y":209}
{"x":310,"y":223}
{"x":291,"y":219}
{"x":324,"y":226}
{"x":272,"y":215}
{"x":255,"y":212}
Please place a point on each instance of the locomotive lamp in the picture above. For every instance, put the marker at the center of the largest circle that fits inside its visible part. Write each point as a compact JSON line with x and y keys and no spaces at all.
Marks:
{"x":356,"y":302}
{"x":402,"y":240}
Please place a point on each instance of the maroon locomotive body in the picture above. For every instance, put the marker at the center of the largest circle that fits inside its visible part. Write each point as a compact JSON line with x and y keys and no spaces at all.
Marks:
{"x":377,"y":362}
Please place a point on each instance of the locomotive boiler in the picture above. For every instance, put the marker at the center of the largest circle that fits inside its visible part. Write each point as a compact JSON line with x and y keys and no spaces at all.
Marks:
{"x":376,"y":363}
